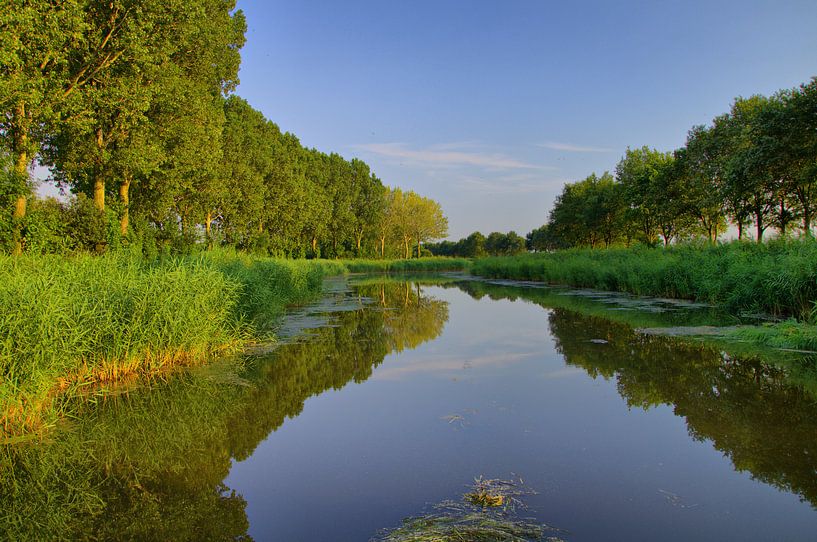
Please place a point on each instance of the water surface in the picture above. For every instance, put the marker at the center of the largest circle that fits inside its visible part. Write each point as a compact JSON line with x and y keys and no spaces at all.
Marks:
{"x":408,"y":391}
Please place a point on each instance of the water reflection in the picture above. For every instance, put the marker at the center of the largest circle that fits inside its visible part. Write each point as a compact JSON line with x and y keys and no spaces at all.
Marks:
{"x":149,"y":464}
{"x":762,"y":416}
{"x":747,"y":409}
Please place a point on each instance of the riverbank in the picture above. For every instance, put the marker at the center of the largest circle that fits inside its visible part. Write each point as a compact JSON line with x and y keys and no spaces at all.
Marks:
{"x":69,"y":325}
{"x":775,"y":280}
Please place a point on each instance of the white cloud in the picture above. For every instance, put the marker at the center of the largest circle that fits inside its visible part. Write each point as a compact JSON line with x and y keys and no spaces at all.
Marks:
{"x":568,"y":147}
{"x":443,"y":155}
{"x":511,"y":184}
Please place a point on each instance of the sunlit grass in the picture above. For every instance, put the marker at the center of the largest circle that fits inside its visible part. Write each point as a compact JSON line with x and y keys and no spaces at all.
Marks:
{"x":777,"y":278}
{"x":408,"y":266}
{"x":70,"y":323}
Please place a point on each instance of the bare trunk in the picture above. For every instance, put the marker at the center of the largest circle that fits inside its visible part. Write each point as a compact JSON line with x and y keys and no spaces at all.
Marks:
{"x":807,"y":220}
{"x":124,"y":198}
{"x":740,"y":230}
{"x":382,"y":248}
{"x":406,"y":243}
{"x":314,"y":245}
{"x":359,"y":239}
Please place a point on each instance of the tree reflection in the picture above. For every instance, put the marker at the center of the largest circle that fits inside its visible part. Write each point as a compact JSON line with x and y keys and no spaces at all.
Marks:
{"x":748,"y":409}
{"x":149,"y":464}
{"x":762,"y":416}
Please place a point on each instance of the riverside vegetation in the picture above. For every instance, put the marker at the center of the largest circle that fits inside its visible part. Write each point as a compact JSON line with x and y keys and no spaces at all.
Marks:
{"x":72,"y":324}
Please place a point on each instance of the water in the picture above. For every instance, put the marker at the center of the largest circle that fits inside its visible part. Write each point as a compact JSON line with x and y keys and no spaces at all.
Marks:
{"x":407,"y":393}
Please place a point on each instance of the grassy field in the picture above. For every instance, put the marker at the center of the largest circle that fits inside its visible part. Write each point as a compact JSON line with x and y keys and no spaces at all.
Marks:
{"x":777,"y":278}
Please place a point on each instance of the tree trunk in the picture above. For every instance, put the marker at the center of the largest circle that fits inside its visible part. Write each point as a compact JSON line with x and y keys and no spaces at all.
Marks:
{"x":807,"y":220}
{"x":124,"y":197}
{"x":314,"y":245}
{"x":359,"y":238}
{"x":99,"y":179}
{"x":760,"y":228}
{"x":382,"y":248}
{"x":21,"y":169}
{"x":208,"y":222}
{"x":406,"y":243}
{"x":419,"y":248}
{"x":740,"y":230}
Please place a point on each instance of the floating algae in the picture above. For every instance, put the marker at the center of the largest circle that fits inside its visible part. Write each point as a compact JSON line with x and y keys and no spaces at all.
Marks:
{"x":487,"y":513}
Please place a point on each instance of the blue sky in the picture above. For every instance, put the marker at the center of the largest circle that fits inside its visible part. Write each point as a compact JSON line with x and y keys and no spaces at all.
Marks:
{"x":490,"y":107}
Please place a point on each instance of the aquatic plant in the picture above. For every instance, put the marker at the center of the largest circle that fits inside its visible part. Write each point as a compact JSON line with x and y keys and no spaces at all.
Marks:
{"x":777,"y":278}
{"x":486,"y":513}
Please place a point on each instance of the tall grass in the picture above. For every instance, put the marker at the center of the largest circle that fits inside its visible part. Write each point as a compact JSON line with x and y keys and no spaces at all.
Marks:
{"x":777,"y":278}
{"x":415,"y":265}
{"x":67,"y":323}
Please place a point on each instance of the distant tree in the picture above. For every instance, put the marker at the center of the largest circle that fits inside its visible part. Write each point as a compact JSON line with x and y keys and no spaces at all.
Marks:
{"x":427,"y":219}
{"x":700,"y":166}
{"x":472,"y":246}
{"x":538,"y":239}
{"x":643,"y":174}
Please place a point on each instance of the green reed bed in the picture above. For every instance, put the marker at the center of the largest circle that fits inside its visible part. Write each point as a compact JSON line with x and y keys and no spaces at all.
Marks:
{"x":777,"y":278}
{"x":67,"y":323}
{"x":416,"y":265}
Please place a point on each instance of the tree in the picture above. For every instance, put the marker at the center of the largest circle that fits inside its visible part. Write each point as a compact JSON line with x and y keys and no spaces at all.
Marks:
{"x":700,"y":168}
{"x":472,"y":246}
{"x":643,"y":174}
{"x":35,"y":77}
{"x":538,"y":239}
{"x":427,"y":220}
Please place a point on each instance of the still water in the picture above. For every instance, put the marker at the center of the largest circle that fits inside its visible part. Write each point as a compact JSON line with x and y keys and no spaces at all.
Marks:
{"x":389,"y":396}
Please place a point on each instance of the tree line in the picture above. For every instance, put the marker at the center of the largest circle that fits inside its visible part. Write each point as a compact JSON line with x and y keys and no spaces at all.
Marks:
{"x":754,"y":167}
{"x":130,"y":105}
{"x":477,"y":245}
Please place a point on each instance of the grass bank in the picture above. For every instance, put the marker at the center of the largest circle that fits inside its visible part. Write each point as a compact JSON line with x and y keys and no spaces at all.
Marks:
{"x":777,"y":278}
{"x":67,"y":324}
{"x":416,"y":265}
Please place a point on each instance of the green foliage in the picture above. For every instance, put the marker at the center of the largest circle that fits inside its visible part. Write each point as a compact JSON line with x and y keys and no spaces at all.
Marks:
{"x":778,"y":278}
{"x":756,"y":164}
{"x":477,"y":245}
{"x":97,"y":482}
{"x":70,"y":322}
{"x":407,"y":266}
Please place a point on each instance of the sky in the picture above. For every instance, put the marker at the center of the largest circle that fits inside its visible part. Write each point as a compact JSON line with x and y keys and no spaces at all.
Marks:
{"x":490,"y":107}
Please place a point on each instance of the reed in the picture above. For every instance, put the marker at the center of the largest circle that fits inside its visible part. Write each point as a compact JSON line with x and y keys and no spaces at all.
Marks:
{"x":778,"y":278}
{"x":416,"y":265}
{"x":70,"y":323}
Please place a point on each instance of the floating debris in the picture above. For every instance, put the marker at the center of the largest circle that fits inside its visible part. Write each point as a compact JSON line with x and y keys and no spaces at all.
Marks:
{"x":599,"y":341}
{"x":675,"y":500}
{"x":456,"y":419}
{"x":487,"y":513}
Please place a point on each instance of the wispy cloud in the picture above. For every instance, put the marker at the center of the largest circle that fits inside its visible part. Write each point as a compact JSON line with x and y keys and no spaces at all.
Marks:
{"x":569,"y":147}
{"x":523,"y":183}
{"x":446,"y":155}
{"x":448,"y":365}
